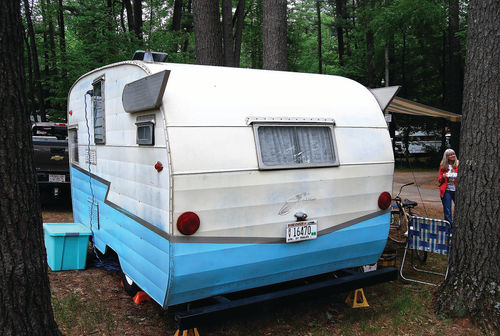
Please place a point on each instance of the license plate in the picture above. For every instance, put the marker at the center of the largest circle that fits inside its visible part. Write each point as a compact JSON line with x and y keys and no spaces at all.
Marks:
{"x":57,"y":178}
{"x":304,"y":230}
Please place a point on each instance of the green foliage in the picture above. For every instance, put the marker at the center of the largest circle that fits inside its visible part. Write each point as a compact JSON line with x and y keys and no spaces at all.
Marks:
{"x":414,"y":33}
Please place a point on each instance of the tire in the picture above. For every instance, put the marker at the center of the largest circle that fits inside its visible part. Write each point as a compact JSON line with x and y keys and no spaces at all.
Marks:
{"x":398,"y":229}
{"x":128,"y":284}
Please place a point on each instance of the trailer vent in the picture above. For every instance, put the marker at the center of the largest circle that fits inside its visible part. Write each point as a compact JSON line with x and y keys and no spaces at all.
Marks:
{"x":150,"y":56}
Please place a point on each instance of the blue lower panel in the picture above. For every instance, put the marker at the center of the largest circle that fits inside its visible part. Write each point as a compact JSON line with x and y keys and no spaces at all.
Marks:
{"x":203,"y":270}
{"x":144,"y":255}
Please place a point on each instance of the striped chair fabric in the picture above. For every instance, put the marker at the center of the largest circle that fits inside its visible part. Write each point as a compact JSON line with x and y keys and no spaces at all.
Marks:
{"x":429,"y":234}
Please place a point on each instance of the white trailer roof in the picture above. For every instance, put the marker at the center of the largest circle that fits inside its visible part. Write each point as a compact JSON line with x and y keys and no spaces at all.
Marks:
{"x":221,"y":96}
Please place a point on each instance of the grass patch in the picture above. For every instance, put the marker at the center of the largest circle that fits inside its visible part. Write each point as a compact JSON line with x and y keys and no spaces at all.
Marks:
{"x":75,"y":315}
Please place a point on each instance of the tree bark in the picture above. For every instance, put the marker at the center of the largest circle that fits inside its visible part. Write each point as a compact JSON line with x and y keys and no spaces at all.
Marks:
{"x":238,"y":20}
{"x":25,"y":307}
{"x":472,"y":287}
{"x":274,"y":35}
{"x":138,"y":19}
{"x":320,"y":43}
{"x":339,"y":20}
{"x":177,"y":16}
{"x":453,"y":93}
{"x":227,"y":28}
{"x":207,"y":32}
{"x":31,"y":86}
{"x":36,"y":65}
{"x":62,"y":45}
{"x":130,"y":15}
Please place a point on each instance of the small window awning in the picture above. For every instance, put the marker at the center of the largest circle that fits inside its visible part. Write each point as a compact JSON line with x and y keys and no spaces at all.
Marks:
{"x":405,"y":106}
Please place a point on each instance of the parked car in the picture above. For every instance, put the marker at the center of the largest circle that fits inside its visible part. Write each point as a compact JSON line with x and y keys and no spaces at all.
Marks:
{"x":420,"y":143}
{"x":50,"y":144}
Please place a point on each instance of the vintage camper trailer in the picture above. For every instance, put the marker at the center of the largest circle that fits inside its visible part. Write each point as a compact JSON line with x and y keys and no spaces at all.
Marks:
{"x":207,"y":180}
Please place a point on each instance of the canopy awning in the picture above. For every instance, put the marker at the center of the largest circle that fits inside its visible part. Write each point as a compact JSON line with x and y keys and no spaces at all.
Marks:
{"x":400,"y":105}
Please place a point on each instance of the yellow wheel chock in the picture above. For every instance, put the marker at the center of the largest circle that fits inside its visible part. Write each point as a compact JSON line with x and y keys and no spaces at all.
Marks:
{"x":188,"y":332}
{"x":357,"y":299}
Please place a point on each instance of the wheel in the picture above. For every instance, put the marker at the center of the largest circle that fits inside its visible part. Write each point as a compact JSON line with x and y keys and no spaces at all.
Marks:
{"x":398,"y":231}
{"x":128,"y":284}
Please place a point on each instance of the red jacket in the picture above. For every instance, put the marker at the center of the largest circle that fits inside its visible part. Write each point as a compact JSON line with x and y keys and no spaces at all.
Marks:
{"x":443,"y":181}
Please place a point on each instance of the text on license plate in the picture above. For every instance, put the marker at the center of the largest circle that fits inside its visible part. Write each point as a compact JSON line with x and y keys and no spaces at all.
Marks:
{"x":57,"y":178}
{"x":304,"y":230}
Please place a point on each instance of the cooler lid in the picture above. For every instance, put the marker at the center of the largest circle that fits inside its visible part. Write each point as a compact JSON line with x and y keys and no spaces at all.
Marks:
{"x":67,"y":229}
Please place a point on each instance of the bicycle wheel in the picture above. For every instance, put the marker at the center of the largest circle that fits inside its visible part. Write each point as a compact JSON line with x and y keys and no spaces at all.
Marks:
{"x":398,"y":229}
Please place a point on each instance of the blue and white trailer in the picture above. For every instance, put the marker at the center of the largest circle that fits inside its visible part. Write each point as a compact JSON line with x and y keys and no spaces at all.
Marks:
{"x":209,"y":180}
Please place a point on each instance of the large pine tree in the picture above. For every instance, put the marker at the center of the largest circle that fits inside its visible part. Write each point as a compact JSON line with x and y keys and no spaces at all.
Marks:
{"x":473,"y":285}
{"x":25,"y":307}
{"x":274,"y":35}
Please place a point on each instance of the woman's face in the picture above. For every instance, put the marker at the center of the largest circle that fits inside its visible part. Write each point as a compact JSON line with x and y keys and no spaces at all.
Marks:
{"x":451,"y":157}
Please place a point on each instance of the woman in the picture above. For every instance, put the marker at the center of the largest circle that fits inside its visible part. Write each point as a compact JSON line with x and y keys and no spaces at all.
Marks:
{"x":448,"y":170}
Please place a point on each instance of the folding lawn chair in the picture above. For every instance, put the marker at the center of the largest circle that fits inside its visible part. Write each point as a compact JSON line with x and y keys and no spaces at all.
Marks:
{"x":430,"y":235}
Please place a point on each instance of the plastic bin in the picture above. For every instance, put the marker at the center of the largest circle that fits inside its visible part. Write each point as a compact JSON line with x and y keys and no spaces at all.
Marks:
{"x":66,"y":245}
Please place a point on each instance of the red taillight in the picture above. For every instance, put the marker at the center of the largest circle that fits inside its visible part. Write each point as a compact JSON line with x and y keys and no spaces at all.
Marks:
{"x":188,"y":223}
{"x":158,"y":166}
{"x":384,"y":200}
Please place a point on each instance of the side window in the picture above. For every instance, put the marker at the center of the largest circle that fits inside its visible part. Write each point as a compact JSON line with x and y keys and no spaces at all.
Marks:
{"x":73,"y":147}
{"x":98,"y":111}
{"x":145,"y":130}
{"x":295,"y":146}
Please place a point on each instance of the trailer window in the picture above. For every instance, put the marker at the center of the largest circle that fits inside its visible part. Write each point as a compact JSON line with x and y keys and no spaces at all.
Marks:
{"x":73,"y":144}
{"x":145,"y":130}
{"x":289,"y":146}
{"x":98,"y":111}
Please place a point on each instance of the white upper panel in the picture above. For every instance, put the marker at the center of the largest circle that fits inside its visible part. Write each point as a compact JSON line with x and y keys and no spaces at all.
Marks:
{"x":221,"y":96}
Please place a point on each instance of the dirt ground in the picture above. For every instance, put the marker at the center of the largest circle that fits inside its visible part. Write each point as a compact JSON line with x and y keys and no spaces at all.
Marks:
{"x":92,"y":302}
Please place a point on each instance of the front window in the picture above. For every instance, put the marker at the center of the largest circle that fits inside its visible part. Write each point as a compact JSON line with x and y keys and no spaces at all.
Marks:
{"x":98,"y":111}
{"x":295,"y":146}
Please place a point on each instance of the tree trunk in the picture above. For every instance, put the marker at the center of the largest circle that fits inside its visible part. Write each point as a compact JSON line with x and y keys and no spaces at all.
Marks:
{"x":227,"y":27}
{"x":177,"y":16}
{"x":274,"y":35}
{"x":472,"y":287}
{"x":36,"y":66}
{"x":339,"y":21}
{"x":238,"y":20}
{"x":130,"y":15}
{"x":138,"y":19}
{"x":25,"y":307}
{"x":207,"y":33}
{"x":31,"y":86}
{"x":370,"y":54}
{"x":62,"y":45}
{"x":453,"y":94}
{"x":320,"y":43}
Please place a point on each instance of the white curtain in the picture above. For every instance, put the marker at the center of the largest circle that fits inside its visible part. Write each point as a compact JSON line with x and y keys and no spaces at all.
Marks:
{"x":291,"y":145}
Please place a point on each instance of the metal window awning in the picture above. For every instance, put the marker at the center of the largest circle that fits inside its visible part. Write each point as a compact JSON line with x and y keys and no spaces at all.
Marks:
{"x":400,"y":105}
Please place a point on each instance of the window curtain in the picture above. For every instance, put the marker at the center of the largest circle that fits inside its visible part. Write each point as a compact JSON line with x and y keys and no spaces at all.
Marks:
{"x":291,"y":145}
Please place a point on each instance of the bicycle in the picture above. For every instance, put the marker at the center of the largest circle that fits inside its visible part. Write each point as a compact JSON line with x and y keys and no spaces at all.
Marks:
{"x":398,"y":230}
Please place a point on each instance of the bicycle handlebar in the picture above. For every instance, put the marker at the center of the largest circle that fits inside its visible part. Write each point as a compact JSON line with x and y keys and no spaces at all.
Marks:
{"x":404,"y":185}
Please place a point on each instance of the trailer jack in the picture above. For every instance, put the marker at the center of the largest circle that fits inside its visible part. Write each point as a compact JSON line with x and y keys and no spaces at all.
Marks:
{"x":218,"y":307}
{"x":187,"y":332}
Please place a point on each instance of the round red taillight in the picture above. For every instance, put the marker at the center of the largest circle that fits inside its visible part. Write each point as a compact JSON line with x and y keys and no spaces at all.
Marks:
{"x":384,"y":200}
{"x":188,"y":223}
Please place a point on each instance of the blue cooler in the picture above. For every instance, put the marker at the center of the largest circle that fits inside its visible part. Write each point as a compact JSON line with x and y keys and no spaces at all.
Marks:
{"x":66,"y":245}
